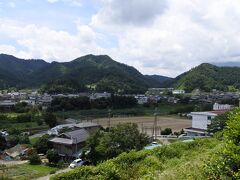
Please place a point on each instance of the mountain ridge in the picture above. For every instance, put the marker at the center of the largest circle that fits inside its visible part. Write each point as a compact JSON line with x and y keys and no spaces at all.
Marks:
{"x":101,"y":72}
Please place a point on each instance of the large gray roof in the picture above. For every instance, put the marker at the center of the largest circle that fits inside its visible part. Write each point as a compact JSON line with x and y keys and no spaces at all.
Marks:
{"x":87,"y":125}
{"x":72,"y":137}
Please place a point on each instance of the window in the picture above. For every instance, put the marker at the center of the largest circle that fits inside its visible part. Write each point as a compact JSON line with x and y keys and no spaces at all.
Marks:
{"x":209,"y":117}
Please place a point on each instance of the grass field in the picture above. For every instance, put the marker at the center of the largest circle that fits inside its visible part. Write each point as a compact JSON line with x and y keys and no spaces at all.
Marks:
{"x":26,"y":171}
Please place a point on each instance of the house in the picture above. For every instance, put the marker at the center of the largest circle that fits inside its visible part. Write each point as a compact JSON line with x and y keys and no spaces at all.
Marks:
{"x":178,"y":91}
{"x":141,"y":99}
{"x":46,"y":99}
{"x":89,"y":126}
{"x":55,"y":130}
{"x":217,"y":106}
{"x":70,"y":144}
{"x":100,"y":95}
{"x":17,"y":151}
{"x":7,"y":104}
{"x":200,"y":122}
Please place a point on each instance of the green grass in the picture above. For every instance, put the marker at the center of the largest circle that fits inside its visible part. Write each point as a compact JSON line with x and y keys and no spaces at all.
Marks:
{"x":163,"y":109}
{"x":27,"y":171}
{"x":33,"y":140}
{"x":22,"y":126}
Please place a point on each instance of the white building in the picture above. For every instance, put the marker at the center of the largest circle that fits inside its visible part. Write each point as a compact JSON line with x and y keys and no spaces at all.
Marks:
{"x":55,"y":130}
{"x":100,"y":95}
{"x":217,"y":107}
{"x":141,"y":99}
{"x":178,"y":91}
{"x":200,"y":122}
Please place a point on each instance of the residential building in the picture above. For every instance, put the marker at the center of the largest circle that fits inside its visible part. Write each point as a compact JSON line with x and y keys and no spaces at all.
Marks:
{"x":70,"y":144}
{"x":100,"y":95}
{"x":141,"y":99}
{"x":178,"y":91}
{"x":217,"y":106}
{"x":200,"y":122}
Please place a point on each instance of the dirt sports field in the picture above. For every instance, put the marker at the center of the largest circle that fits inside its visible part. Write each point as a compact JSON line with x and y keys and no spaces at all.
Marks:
{"x":145,"y":124}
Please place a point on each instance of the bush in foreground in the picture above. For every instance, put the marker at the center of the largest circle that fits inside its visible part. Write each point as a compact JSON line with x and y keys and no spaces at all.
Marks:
{"x":144,"y":164}
{"x":34,"y":159}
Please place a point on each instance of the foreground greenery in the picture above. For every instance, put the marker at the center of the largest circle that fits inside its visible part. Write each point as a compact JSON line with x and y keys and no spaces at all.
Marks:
{"x":209,"y":158}
{"x":152,"y":164}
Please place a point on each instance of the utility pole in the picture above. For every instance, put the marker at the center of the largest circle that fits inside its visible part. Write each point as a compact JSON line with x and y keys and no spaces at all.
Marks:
{"x":155,"y":124}
{"x":109,"y":117}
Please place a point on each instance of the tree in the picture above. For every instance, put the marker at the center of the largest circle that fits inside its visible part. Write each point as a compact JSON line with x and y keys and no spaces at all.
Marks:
{"x":3,"y":143}
{"x":218,"y":123}
{"x":50,"y":119}
{"x":166,"y":131}
{"x":53,"y":156}
{"x":34,"y":159}
{"x":42,"y":145}
{"x":225,"y":163}
{"x":122,"y":138}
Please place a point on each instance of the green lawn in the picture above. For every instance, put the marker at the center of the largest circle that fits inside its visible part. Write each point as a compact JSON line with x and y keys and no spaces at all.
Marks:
{"x":27,"y":171}
{"x":163,"y":109}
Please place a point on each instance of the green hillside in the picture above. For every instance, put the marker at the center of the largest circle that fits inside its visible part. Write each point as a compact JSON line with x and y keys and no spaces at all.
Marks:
{"x":176,"y":161}
{"x":99,"y":73}
{"x":207,"y":77}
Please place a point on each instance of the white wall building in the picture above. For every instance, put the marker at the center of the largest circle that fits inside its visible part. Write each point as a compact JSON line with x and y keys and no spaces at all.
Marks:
{"x":141,"y":99}
{"x":178,"y":91}
{"x":217,"y":107}
{"x":200,"y":122}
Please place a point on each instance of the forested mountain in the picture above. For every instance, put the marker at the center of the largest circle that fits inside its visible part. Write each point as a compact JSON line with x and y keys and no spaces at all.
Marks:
{"x":99,"y":73}
{"x":15,"y":72}
{"x":207,"y":77}
{"x":96,"y":72}
{"x":155,"y":81}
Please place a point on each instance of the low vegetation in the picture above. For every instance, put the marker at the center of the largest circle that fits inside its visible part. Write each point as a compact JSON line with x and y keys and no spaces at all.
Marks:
{"x":149,"y":164}
{"x":209,"y":158}
{"x":25,"y":171}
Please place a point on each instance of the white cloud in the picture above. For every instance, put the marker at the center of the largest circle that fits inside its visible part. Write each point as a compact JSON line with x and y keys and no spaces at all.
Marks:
{"x":12,"y":4}
{"x":164,"y":37}
{"x":45,"y":43}
{"x":70,"y":2}
{"x":177,"y":36}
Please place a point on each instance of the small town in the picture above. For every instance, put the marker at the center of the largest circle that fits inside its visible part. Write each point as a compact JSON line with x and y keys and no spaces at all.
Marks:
{"x":61,"y":137}
{"x":119,"y":90}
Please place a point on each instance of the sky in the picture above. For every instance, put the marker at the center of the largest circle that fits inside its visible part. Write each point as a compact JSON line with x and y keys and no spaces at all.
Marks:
{"x":164,"y":37}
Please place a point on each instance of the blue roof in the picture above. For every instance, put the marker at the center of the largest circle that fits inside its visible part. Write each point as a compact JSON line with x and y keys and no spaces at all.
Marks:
{"x":151,"y":146}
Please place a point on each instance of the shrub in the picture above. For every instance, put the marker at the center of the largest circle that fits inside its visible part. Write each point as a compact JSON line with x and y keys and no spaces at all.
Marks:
{"x":42,"y":144}
{"x":34,"y":159}
{"x":52,"y":172}
{"x":166,"y":131}
{"x":53,"y":156}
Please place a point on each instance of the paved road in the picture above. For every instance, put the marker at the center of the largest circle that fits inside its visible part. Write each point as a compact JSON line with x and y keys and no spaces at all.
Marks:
{"x":58,"y":172}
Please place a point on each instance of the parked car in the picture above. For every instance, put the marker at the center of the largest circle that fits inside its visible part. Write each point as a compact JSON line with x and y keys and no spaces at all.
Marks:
{"x":76,"y":163}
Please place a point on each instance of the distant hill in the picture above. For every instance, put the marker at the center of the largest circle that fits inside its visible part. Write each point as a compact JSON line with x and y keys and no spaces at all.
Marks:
{"x":15,"y":72}
{"x":155,"y":81}
{"x":99,"y":73}
{"x":207,"y":77}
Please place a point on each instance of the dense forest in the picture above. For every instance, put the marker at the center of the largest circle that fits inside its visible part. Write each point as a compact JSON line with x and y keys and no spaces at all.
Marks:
{"x":101,"y":73}
{"x":207,"y":77}
{"x":98,"y":73}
